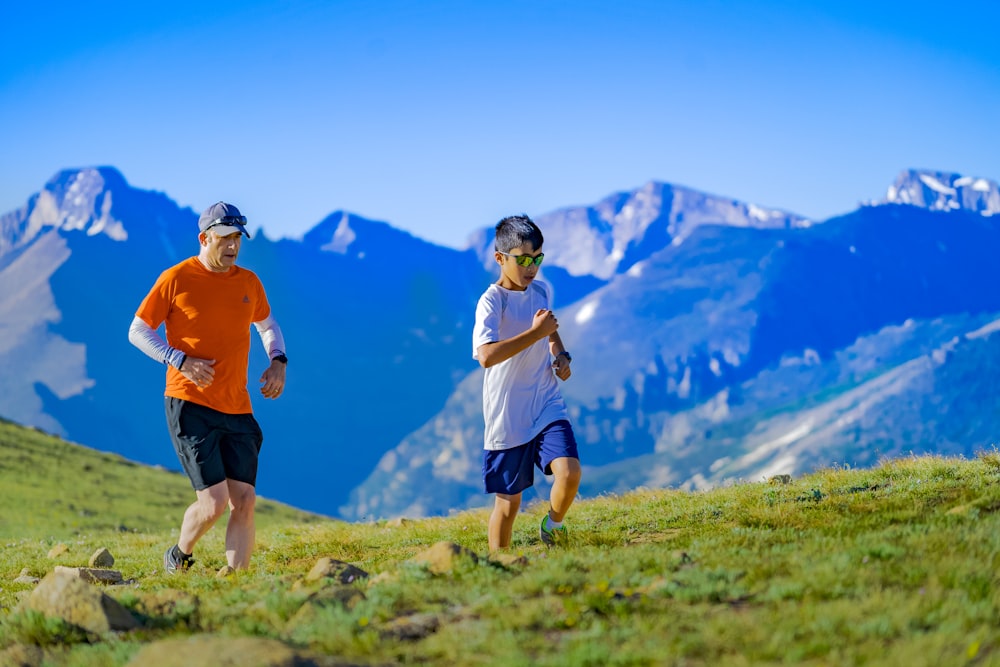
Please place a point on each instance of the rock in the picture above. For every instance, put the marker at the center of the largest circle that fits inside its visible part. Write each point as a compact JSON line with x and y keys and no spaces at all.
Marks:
{"x":209,"y":651}
{"x":26,"y":579}
{"x":168,"y":607}
{"x":329,"y":568}
{"x":93,"y":575}
{"x":101,"y":558}
{"x":443,"y":557}
{"x":21,"y":655}
{"x":509,"y":560}
{"x":337,"y":596}
{"x":398,"y":522}
{"x":780,"y":479}
{"x":63,"y":594}
{"x":410,"y":628}
{"x":58,"y":550}
{"x":345,"y":597}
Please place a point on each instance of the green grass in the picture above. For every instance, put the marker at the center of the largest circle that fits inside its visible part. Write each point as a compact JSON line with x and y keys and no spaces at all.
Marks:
{"x":894,"y":565}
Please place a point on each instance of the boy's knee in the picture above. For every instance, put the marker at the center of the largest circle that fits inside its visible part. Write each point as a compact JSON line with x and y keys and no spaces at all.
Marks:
{"x":507,"y":504}
{"x":567,"y":470}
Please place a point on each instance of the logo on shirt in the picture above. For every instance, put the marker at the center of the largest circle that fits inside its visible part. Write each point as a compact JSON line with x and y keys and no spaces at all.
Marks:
{"x":246,"y":299}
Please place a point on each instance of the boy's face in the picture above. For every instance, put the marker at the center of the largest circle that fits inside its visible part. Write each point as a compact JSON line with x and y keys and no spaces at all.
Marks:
{"x":513,"y":275}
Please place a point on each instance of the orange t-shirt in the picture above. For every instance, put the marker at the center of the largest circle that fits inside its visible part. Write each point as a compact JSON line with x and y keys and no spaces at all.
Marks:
{"x":208,"y":315}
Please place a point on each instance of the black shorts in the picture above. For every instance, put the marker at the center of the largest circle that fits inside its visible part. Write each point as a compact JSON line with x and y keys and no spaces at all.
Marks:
{"x":213,"y":446}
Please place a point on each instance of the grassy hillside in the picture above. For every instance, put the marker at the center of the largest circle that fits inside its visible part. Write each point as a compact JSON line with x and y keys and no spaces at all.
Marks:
{"x":53,"y":489}
{"x":894,"y":565}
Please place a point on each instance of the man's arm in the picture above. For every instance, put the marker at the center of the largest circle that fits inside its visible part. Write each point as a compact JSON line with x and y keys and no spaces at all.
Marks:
{"x":270,"y":335}
{"x":273,"y":378}
{"x":146,"y":339}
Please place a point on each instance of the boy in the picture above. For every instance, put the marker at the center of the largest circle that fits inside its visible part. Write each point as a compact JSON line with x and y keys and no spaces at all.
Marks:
{"x":526,"y":420}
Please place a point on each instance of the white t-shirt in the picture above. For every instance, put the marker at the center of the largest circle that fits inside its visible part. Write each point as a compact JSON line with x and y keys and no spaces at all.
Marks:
{"x":520,"y":395}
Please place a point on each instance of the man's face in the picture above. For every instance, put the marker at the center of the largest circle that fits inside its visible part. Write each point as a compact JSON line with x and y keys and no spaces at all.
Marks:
{"x":220,"y":252}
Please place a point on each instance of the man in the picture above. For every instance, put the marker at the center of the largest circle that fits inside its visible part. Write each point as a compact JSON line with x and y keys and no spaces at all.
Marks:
{"x":207,"y":304}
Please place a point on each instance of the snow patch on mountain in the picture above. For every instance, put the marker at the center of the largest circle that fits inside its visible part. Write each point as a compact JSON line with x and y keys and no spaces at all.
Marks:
{"x":343,"y":236}
{"x":76,"y":201}
{"x":944,"y":191}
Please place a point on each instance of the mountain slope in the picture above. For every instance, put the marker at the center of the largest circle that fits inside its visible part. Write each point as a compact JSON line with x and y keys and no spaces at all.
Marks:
{"x":699,"y":319}
{"x":51,"y":487}
{"x":362,"y":307}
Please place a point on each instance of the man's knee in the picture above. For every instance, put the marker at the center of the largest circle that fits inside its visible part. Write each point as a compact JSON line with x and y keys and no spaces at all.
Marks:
{"x":242,"y":498}
{"x":213,"y":501}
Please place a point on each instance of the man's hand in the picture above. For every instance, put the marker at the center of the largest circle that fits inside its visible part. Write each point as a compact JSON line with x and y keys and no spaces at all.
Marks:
{"x":273,"y":380}
{"x":561,"y":367}
{"x":199,"y":371}
{"x":545,"y":322}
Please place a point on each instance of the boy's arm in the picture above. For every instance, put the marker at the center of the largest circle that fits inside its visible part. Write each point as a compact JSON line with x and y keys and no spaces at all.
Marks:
{"x":543,"y":324}
{"x":561,"y":358}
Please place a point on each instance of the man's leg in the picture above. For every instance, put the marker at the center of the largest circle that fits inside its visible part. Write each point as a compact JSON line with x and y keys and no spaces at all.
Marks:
{"x":241,"y":530}
{"x":202,"y":514}
{"x":501,"y":528}
{"x":566,"y":472}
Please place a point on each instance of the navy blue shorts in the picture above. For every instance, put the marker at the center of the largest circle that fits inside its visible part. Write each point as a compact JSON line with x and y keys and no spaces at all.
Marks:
{"x":213,"y":446}
{"x":511,"y":471}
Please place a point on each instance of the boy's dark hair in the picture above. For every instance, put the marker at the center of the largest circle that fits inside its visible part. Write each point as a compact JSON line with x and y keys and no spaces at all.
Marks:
{"x":516,"y":230}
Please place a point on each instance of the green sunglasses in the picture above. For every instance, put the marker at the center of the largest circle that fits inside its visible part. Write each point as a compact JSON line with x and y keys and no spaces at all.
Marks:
{"x":525,"y":260}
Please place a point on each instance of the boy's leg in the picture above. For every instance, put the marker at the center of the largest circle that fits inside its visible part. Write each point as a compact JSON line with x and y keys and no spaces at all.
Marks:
{"x":558,"y":456}
{"x":501,"y":528}
{"x":566,"y":472}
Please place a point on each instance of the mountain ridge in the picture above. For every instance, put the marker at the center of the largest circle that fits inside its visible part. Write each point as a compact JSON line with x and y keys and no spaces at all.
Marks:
{"x":701,"y":294}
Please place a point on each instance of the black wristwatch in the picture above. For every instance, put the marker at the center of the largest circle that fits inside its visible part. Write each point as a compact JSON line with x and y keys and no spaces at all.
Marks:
{"x":280,"y":357}
{"x":564,"y":353}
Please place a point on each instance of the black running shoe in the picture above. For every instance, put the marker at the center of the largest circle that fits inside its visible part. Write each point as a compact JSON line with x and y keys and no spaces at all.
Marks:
{"x":174,"y":560}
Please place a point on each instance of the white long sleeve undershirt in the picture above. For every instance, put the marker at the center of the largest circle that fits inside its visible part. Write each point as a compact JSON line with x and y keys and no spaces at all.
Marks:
{"x":152,"y":345}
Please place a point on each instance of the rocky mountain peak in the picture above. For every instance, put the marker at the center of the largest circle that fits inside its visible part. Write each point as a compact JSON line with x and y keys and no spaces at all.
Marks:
{"x":944,"y":191}
{"x":79,"y":200}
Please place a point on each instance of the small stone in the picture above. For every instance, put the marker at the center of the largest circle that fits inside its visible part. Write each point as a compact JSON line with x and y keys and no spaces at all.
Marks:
{"x":443,"y":557}
{"x":101,"y":558}
{"x":58,"y":550}
{"x":330,"y":568}
{"x":93,"y":575}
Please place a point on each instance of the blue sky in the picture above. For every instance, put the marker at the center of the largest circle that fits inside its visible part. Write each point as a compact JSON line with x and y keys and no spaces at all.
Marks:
{"x":441,"y":117}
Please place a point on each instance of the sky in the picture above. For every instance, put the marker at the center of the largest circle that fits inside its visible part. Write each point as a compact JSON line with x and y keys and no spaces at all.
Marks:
{"x":442,"y":117}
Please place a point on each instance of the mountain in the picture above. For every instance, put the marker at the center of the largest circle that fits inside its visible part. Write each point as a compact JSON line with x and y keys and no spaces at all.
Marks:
{"x":713,"y":340}
{"x":671,"y":351}
{"x":944,"y":191}
{"x":607,"y":238}
{"x":377,"y":324}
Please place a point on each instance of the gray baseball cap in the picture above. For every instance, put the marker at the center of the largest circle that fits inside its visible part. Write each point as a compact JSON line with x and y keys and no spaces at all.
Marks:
{"x":224,"y":219}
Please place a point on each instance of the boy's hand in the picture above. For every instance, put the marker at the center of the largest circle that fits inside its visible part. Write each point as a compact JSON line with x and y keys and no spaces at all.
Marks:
{"x":545,"y":322}
{"x":561,"y":367}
